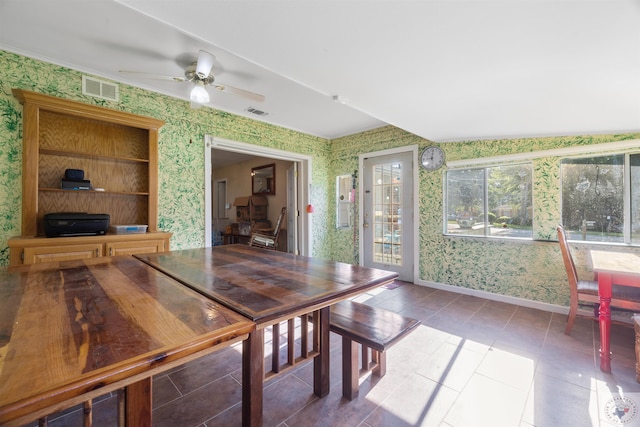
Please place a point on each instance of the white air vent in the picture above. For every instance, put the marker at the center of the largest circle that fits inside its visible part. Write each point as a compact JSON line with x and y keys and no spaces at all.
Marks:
{"x":256,"y":112}
{"x":99,"y":88}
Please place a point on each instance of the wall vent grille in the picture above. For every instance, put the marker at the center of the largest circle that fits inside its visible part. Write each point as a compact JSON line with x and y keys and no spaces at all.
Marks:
{"x":256,"y":111}
{"x":99,"y":88}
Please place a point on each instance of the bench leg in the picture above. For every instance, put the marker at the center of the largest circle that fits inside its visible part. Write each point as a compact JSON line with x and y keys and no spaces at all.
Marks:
{"x":380,"y":359}
{"x":365,"y":366}
{"x":350,"y":371}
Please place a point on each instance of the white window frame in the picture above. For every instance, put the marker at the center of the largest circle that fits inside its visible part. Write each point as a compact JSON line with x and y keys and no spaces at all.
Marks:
{"x":484,"y":166}
{"x":626,"y":188}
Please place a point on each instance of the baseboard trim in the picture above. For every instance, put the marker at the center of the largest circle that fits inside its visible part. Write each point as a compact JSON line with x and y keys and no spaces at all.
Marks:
{"x":554,"y":308}
{"x":619,"y":317}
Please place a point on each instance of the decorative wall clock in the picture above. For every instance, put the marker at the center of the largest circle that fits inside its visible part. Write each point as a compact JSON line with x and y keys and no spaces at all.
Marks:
{"x":432,"y":158}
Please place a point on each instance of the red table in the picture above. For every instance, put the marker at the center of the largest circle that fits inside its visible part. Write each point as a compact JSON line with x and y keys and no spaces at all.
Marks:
{"x":621,"y":268}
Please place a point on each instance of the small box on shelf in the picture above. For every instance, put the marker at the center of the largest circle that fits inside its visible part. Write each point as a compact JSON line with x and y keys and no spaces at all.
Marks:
{"x":128,"y":229}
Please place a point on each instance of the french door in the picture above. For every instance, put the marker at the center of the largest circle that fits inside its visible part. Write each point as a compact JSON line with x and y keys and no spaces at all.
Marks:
{"x":387,"y":230}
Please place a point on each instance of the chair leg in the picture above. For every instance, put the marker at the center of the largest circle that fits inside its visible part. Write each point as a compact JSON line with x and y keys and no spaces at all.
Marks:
{"x":636,"y":328}
{"x":573,"y":310}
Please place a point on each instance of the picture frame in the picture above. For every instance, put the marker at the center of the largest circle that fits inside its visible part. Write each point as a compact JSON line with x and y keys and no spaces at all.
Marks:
{"x":263,"y":180}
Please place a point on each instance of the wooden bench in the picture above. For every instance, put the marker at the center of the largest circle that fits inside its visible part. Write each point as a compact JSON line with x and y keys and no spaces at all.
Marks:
{"x":372,"y":327}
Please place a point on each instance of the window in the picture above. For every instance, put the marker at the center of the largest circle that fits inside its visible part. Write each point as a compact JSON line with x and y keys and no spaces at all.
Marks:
{"x":492,"y":201}
{"x":387,"y":222}
{"x":601,"y":198}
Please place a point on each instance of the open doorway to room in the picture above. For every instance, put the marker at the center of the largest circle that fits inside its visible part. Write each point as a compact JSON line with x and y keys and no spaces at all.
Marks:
{"x":234,"y":173}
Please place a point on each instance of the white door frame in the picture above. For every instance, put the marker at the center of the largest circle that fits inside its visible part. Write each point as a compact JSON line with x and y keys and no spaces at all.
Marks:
{"x":293,"y":243}
{"x":416,"y":217}
{"x":304,"y":171}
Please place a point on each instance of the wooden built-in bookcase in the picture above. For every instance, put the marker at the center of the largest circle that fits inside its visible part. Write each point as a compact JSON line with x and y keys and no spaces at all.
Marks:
{"x":118,"y":153}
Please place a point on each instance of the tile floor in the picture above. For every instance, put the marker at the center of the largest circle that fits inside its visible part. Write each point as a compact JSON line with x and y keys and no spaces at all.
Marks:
{"x":472,"y":362}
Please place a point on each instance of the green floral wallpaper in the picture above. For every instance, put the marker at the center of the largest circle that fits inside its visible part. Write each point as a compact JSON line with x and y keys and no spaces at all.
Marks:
{"x":10,"y":173}
{"x":525,"y":269}
{"x":531,"y":270}
{"x":180,"y":146}
{"x":344,"y":161}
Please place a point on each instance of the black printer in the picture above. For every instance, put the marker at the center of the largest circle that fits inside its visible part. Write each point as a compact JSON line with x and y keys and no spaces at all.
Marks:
{"x":64,"y":224}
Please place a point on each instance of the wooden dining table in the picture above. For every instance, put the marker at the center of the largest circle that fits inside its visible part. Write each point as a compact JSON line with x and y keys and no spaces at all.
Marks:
{"x":271,"y":287}
{"x":620,"y":268}
{"x":74,"y":330}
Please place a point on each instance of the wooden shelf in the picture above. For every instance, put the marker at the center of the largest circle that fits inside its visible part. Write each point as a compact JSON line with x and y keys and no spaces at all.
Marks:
{"x":81,"y":192}
{"x":117,"y":151}
{"x":81,"y":155}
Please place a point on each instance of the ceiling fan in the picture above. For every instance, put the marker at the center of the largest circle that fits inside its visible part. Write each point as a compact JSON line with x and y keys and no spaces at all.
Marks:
{"x":199,"y":73}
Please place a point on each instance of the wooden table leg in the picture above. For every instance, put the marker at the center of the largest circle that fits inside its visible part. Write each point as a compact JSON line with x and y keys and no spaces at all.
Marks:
{"x":604,"y":291}
{"x":275,"y":348}
{"x":122,"y":407}
{"x":321,"y":361}
{"x":88,"y":413}
{"x":252,"y":378}
{"x":138,"y":403}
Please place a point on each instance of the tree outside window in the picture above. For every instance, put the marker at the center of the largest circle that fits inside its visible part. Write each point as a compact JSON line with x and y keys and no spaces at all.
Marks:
{"x":594,"y":206}
{"x":494,"y":201}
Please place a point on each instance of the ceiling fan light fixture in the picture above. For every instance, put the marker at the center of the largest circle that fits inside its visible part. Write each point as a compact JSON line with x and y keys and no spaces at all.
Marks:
{"x":199,"y":94}
{"x":204,"y":64}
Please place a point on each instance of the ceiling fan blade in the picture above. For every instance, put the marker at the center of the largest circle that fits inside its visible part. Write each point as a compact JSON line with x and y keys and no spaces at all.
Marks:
{"x":240,"y":92}
{"x":205,"y":64}
{"x":153,"y":76}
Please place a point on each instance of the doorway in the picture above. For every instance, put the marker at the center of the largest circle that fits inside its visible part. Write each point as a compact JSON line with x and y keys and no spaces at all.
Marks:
{"x":298,"y":179}
{"x":388,"y":201}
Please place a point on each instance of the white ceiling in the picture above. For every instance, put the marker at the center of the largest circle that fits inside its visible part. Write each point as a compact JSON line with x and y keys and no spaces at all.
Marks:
{"x":442,"y":69}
